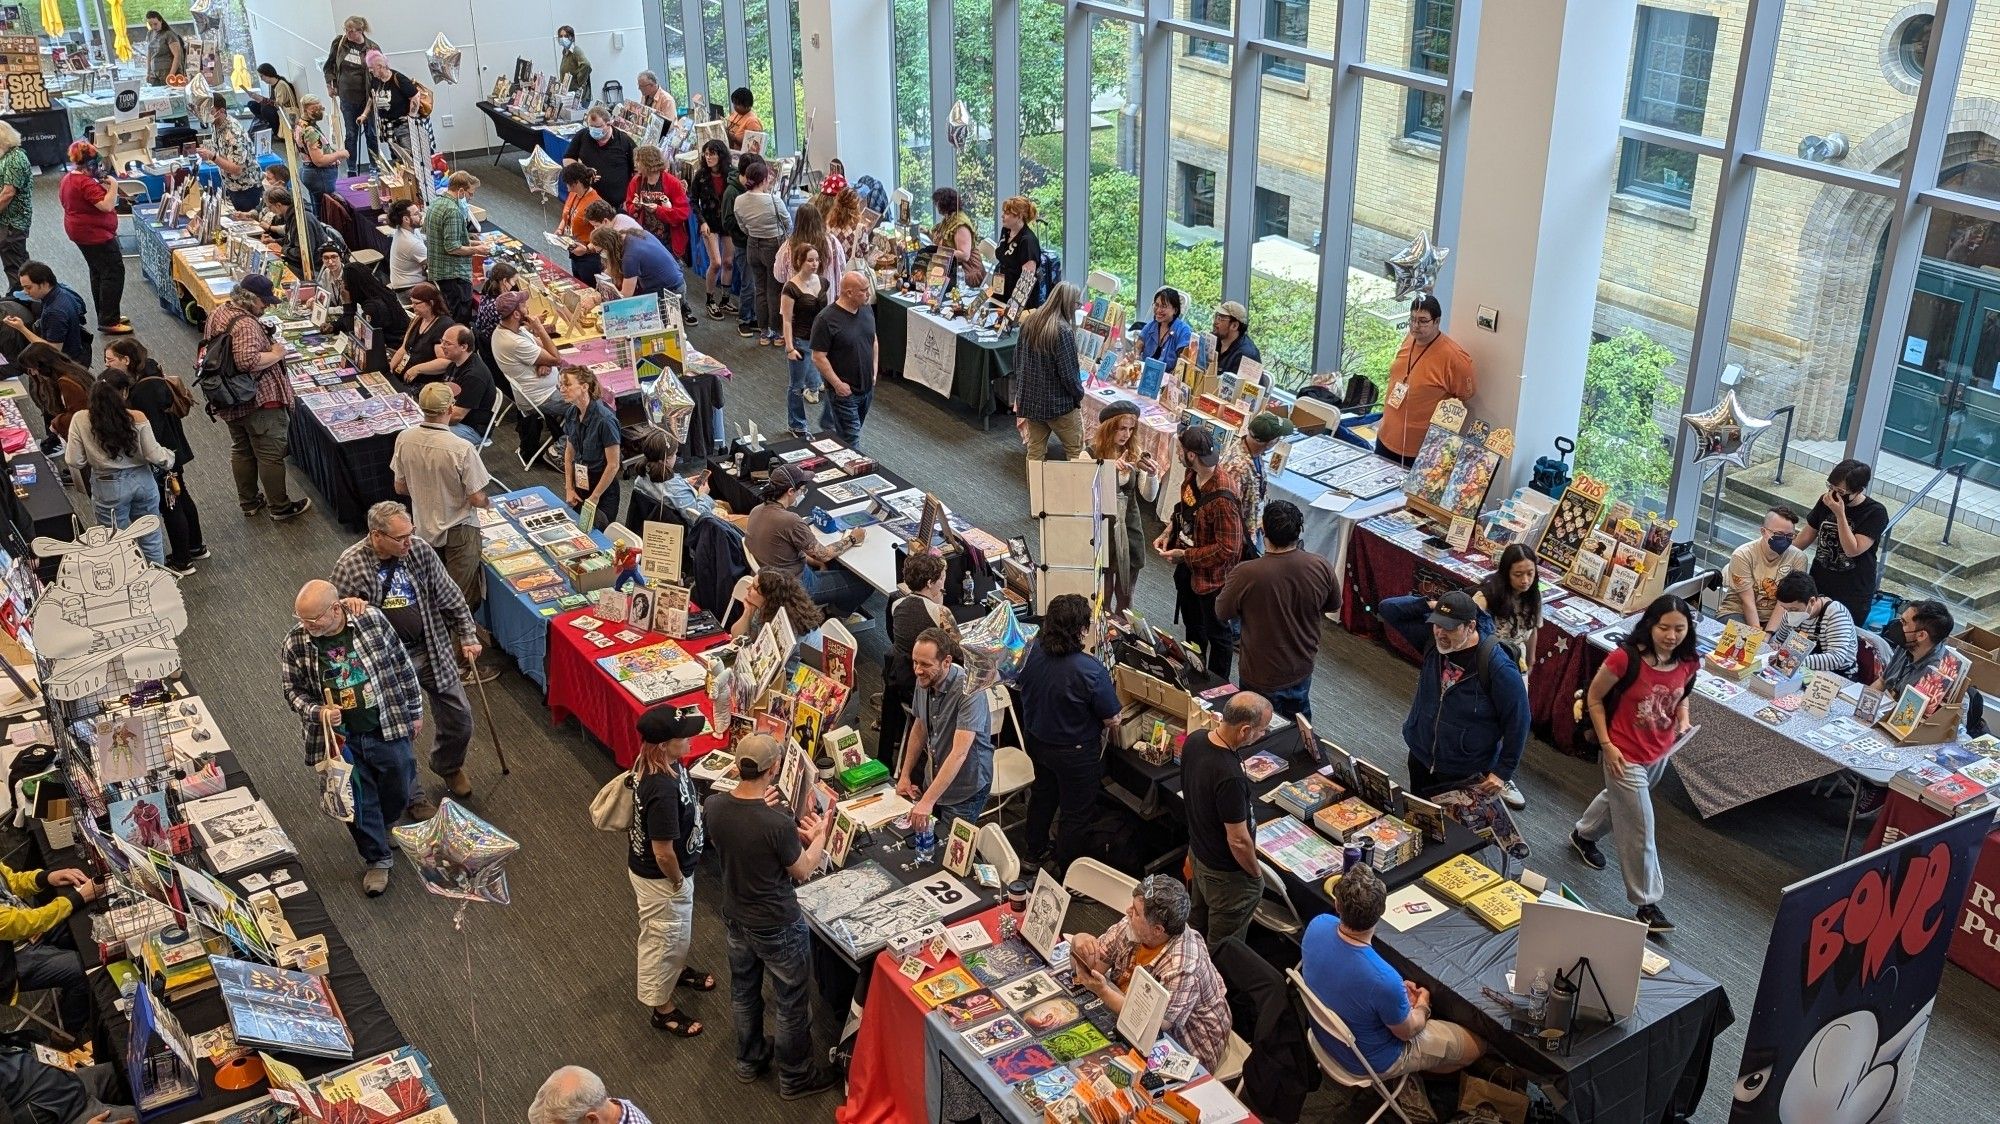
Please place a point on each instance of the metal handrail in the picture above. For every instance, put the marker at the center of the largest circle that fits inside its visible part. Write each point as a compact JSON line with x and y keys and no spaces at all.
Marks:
{"x":1784,"y":440}
{"x":1957,"y":473}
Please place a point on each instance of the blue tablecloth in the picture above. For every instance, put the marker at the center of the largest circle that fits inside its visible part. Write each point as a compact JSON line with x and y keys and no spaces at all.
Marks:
{"x":517,"y":623}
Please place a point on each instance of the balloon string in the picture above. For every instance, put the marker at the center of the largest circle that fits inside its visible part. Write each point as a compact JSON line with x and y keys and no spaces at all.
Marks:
{"x":472,"y":1009}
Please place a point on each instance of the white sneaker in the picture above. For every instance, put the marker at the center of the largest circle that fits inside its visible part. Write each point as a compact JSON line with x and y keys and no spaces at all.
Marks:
{"x":1512,"y":796}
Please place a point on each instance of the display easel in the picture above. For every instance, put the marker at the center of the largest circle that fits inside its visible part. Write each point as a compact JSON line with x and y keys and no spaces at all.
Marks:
{"x":1071,"y":502}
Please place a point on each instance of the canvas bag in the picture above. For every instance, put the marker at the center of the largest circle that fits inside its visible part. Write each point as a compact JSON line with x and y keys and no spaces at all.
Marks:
{"x":336,"y":776}
{"x":611,"y":808}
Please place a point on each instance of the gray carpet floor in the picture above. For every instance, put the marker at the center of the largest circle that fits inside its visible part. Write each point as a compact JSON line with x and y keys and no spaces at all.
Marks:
{"x":548,"y":980}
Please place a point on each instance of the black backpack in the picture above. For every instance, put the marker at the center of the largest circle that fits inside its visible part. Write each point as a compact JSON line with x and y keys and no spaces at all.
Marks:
{"x":1048,"y":274}
{"x":225,"y":385}
{"x":1488,"y":645}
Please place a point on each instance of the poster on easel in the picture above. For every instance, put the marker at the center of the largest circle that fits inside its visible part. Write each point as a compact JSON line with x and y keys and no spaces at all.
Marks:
{"x":23,"y":89}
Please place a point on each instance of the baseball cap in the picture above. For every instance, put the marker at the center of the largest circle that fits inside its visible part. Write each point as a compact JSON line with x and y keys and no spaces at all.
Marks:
{"x":786,"y":477}
{"x":1455,"y":610}
{"x":1268,"y":427}
{"x":259,"y":286}
{"x":757,"y":755}
{"x":1235,"y":311}
{"x":436,"y":398}
{"x":666,"y":723}
{"x":1199,"y":442}
{"x":510,"y":303}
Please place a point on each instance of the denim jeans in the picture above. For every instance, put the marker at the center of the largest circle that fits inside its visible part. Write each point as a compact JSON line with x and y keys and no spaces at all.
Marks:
{"x":121,"y":496}
{"x":1068,"y":779}
{"x":805,"y":377}
{"x":741,"y":289}
{"x":355,"y":136}
{"x":469,"y":433}
{"x":385,"y":779}
{"x":45,"y":966}
{"x":1289,"y":702}
{"x":967,"y":810}
{"x":849,"y":414}
{"x":784,"y":953}
{"x":835,"y":589}
{"x":317,"y":181}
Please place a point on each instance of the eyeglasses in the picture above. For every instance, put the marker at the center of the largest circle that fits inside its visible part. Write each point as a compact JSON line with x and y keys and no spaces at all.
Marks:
{"x":402,"y":539}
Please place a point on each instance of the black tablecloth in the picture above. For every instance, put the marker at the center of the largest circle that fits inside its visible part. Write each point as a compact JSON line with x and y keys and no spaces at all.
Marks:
{"x":516,"y":134}
{"x":349,"y":475}
{"x":1650,"y":1067}
{"x":368,"y":1019}
{"x":980,"y":368}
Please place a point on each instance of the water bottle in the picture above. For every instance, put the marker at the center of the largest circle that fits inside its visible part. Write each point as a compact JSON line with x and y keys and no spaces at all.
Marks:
{"x":1538,"y":997}
{"x":968,"y":590}
{"x":925,"y":841}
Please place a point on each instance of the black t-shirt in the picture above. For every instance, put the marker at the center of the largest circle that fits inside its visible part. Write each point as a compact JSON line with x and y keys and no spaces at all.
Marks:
{"x":475,"y":392}
{"x":1014,"y":252}
{"x":664,"y":810}
{"x":908,"y":618}
{"x":391,"y":98}
{"x":755,"y":843}
{"x":423,"y":343}
{"x":611,"y":160}
{"x":151,"y":396}
{"x":399,"y":601}
{"x":1835,"y":574}
{"x":1217,"y":794}
{"x":847,"y":339}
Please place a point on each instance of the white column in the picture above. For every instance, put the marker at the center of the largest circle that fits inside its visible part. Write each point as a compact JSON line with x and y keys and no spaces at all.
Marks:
{"x":1538,"y":175}
{"x":848,"y":60}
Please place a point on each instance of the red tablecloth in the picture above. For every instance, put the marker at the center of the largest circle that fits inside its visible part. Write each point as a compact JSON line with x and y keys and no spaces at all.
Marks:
{"x":1378,"y":569}
{"x":1975,"y":947}
{"x":578,"y":687}
{"x":885,"y":1081}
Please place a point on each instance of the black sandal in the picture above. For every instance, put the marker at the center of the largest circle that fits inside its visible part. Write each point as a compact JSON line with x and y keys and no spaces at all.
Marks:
{"x":696,"y":981}
{"x":676,"y":1023}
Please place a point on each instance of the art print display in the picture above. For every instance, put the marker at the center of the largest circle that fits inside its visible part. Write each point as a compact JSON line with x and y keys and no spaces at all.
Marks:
{"x":1572,"y":522}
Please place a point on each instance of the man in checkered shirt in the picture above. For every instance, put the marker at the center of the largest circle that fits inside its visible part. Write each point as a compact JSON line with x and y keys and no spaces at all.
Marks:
{"x":346,"y":667}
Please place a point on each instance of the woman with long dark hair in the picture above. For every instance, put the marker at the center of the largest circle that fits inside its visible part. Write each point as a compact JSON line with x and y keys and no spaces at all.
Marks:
{"x":1512,"y":597}
{"x":153,"y":395}
{"x":116,"y":444}
{"x":416,"y":360}
{"x":712,"y":181}
{"x":1638,"y":707}
{"x":1067,"y":702}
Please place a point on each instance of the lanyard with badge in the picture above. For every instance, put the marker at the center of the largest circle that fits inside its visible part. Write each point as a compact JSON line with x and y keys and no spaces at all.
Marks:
{"x":1402,"y":389}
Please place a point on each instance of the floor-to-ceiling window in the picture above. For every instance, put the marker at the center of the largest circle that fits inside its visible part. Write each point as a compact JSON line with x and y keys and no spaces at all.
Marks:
{"x":913,"y":101}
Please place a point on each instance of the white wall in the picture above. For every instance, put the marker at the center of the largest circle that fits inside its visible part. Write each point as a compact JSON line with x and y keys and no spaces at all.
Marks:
{"x":848,"y":63}
{"x":293,"y":35}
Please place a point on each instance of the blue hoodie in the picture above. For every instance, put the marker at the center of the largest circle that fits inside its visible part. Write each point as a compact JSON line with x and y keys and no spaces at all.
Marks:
{"x":1465,"y":731}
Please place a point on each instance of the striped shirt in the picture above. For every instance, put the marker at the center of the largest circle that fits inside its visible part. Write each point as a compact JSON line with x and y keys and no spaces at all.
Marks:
{"x":1835,"y":646}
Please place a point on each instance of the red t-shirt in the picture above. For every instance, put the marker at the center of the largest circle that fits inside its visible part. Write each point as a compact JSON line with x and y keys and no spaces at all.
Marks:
{"x":1645,"y":721}
{"x":82,"y":221}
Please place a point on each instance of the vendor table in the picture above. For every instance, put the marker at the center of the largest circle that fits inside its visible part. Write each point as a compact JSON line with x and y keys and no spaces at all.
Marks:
{"x":1649,"y":1067}
{"x":353,"y":191}
{"x":514,"y":619}
{"x":553,"y":140}
{"x":877,"y":560}
{"x":980,"y":366}
{"x":349,"y":476}
{"x":1378,"y":569}
{"x":1975,"y":941}
{"x":1328,"y":529}
{"x":579,"y":688}
{"x":368,"y":1018}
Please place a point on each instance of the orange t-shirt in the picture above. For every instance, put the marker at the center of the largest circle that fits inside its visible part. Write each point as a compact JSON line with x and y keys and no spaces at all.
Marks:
{"x":1419,"y":379}
{"x":741,"y":123}
{"x":573,"y":208}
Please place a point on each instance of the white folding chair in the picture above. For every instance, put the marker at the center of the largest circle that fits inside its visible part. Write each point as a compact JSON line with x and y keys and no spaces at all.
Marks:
{"x":1100,"y":883}
{"x":994,"y":848}
{"x":1013,"y":772}
{"x":1229,"y":1068}
{"x":1324,"y":1018}
{"x":1274,"y":910}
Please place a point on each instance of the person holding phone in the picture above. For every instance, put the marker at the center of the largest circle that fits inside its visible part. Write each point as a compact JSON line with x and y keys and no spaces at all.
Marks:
{"x":90,"y":219}
{"x":1116,"y":439}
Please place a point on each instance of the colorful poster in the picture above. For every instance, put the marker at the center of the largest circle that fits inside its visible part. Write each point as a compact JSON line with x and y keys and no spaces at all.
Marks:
{"x":632,"y":316}
{"x":1849,"y":979}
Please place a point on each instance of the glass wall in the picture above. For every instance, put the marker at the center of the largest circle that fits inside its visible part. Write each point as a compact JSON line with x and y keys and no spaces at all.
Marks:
{"x":1114,"y":155}
{"x":1042,"y":116}
{"x":913,"y":100}
{"x":1978,"y":88}
{"x":672,"y":70}
{"x":1291,"y":196}
{"x":972,"y":51}
{"x":1850,"y":69}
{"x":713,"y":53}
{"x":757,"y":29}
{"x":1197,"y":177}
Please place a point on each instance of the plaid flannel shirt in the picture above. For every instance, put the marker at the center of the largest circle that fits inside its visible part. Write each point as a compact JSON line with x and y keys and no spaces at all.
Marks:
{"x":1197,"y":1000}
{"x":447,"y":621}
{"x":1218,"y":532}
{"x":399,"y":697}
{"x":445,"y":231}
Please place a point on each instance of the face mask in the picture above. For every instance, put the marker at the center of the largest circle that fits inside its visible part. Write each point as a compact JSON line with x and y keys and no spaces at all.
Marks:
{"x":1780,"y":543}
{"x":597,"y":132}
{"x":565,"y":43}
{"x":1893,"y":633}
{"x":1795,"y":619}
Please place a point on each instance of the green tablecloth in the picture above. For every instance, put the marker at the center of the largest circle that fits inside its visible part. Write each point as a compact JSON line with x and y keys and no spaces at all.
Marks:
{"x":981,"y":369}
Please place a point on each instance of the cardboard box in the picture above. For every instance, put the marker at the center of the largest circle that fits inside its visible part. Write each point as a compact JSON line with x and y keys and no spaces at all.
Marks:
{"x":1142,"y":697}
{"x":1981,"y":648}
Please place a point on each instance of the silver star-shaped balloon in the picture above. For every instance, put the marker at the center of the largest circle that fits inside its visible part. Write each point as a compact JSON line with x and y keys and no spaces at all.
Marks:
{"x":543,"y":173}
{"x":443,"y":59}
{"x":459,"y":855}
{"x":1725,"y":432}
{"x":1415,"y":269}
{"x":958,"y":128}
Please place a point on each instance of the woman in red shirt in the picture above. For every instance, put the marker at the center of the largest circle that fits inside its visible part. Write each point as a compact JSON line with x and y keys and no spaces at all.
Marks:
{"x":658,"y":199}
{"x":1639,"y":718}
{"x":90,"y":219}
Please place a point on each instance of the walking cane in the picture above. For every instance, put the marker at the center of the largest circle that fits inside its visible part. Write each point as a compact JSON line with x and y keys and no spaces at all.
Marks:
{"x":486,"y":708}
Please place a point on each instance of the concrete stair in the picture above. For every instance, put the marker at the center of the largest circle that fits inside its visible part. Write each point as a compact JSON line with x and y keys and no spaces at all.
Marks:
{"x":1964,"y":574}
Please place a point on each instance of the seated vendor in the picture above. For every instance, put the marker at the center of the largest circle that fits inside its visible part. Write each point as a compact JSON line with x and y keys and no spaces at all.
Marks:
{"x":1821,"y":619}
{"x":30,"y":956}
{"x":1155,"y":936}
{"x":756,"y":600}
{"x":1750,"y":578}
{"x":687,"y":495}
{"x":1231,"y":325}
{"x":1917,"y":638}
{"x":779,"y":538}
{"x":1389,"y":1016}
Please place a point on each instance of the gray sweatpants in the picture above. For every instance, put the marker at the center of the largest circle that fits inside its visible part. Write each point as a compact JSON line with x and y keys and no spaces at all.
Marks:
{"x":1625,"y":807}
